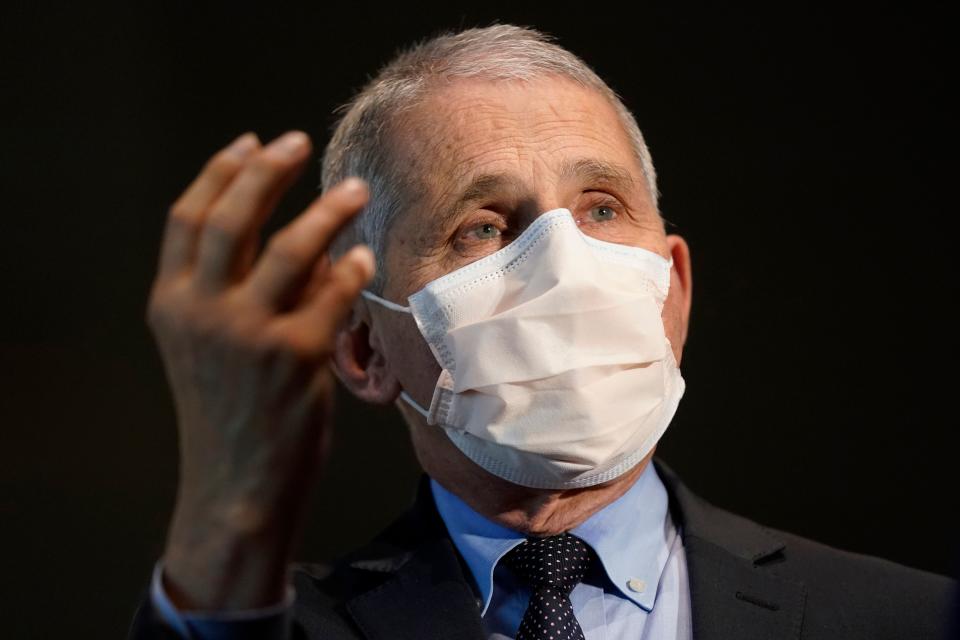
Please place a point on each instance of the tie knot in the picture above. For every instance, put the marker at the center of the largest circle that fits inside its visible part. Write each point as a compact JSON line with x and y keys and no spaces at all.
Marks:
{"x":557,"y":562}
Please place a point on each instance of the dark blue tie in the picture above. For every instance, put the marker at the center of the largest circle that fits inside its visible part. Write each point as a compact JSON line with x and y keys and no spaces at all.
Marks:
{"x":551,"y":567}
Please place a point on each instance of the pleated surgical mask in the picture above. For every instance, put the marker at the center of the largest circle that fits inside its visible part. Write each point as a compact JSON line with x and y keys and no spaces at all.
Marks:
{"x":556,"y":370}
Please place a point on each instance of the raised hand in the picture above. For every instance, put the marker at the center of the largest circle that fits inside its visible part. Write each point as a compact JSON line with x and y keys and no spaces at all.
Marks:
{"x":245,"y":340}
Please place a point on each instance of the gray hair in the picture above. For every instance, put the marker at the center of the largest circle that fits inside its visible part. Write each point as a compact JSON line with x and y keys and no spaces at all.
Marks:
{"x":360,"y":144}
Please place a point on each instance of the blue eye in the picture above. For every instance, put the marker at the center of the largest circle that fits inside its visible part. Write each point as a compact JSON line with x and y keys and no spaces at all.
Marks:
{"x":602,"y":213}
{"x":485,"y":231}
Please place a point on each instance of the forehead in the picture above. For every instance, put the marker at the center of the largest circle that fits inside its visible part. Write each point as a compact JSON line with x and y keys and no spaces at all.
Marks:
{"x":531,"y":128}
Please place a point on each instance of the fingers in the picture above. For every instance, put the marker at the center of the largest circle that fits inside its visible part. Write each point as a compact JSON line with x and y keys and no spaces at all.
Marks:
{"x":187,"y":214}
{"x":238,"y":214}
{"x":291,"y":255}
{"x":321,"y":271}
{"x":311,"y":328}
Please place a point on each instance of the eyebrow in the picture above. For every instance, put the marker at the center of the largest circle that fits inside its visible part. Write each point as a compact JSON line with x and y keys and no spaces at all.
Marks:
{"x":599,"y":171}
{"x":591,"y":170}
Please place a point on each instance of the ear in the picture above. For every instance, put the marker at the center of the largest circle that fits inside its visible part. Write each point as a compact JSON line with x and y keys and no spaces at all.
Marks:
{"x":681,"y":284}
{"x":359,"y":362}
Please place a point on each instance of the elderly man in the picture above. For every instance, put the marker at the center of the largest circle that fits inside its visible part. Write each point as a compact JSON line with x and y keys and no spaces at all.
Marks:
{"x":489,"y":256}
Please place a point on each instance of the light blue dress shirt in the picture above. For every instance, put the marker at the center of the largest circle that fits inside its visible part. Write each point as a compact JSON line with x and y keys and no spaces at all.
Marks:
{"x":639,"y":590}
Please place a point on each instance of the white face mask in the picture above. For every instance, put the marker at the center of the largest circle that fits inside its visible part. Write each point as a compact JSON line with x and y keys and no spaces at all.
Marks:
{"x":556,"y":371}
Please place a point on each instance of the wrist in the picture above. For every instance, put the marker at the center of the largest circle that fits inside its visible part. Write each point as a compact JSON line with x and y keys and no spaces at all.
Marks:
{"x":228,"y":559}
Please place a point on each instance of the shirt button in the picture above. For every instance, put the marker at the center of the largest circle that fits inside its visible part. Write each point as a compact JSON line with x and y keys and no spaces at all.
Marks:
{"x":636,"y":584}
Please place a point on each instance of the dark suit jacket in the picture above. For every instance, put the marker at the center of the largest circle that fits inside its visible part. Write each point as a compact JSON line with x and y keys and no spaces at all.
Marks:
{"x":746,"y":581}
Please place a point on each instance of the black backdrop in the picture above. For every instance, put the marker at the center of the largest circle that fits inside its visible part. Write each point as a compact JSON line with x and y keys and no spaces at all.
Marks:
{"x":803,"y":154}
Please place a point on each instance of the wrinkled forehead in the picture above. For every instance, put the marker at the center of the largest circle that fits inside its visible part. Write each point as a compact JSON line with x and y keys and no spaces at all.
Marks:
{"x":511,"y":135}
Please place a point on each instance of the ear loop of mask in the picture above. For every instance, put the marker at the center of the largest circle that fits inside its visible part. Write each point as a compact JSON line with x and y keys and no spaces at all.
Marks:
{"x":384,"y":302}
{"x":413,"y":403}
{"x":397,"y":307}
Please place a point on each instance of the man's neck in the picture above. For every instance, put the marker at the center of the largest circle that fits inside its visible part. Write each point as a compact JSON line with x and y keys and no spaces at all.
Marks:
{"x":539,"y":512}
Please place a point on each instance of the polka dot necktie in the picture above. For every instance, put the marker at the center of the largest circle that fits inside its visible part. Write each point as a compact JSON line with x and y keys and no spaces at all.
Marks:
{"x":551,"y":567}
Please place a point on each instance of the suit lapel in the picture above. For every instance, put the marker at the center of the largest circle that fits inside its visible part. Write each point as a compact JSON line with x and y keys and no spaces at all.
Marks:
{"x":733,"y":591}
{"x":425,"y":574}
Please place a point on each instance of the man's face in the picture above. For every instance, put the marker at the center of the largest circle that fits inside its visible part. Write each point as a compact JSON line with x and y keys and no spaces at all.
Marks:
{"x":491,"y":157}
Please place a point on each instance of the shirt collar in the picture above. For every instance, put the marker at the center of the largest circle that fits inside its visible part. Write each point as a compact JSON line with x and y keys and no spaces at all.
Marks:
{"x":632,"y":537}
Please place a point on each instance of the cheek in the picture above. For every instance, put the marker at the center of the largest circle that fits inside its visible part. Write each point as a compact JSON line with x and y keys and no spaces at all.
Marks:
{"x":409,"y":358}
{"x":409,"y":270}
{"x":405,"y":340}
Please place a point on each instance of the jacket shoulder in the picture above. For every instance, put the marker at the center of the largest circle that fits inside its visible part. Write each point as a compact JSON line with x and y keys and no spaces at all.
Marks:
{"x":844,"y":594}
{"x":877,"y":597}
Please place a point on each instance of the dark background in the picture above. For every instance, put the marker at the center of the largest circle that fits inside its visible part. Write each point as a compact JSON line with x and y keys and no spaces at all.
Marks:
{"x":803,"y":154}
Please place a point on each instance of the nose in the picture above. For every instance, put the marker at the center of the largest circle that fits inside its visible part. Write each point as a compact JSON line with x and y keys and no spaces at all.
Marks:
{"x":534,"y":206}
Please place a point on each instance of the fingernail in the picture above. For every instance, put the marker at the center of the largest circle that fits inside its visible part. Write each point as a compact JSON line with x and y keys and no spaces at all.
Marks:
{"x":364,"y":257}
{"x":353,"y":185}
{"x":243,"y":145}
{"x":290,"y":144}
